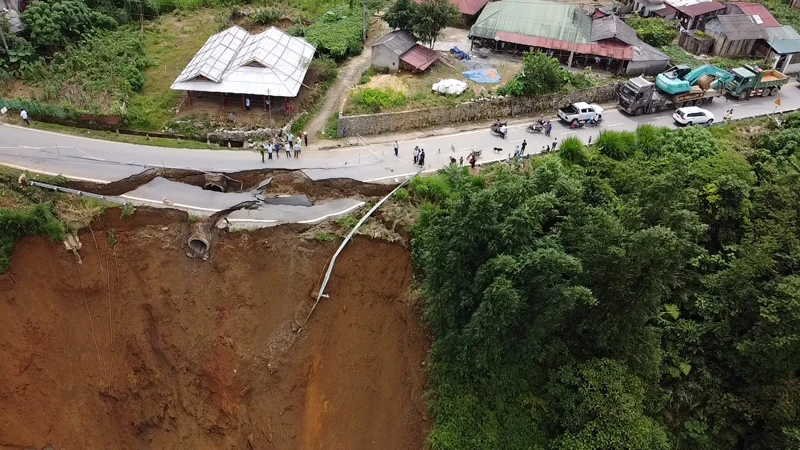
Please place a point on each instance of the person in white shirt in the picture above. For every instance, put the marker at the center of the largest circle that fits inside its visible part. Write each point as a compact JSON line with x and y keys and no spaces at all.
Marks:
{"x":297,"y":149}
{"x":24,"y":115}
{"x":269,"y":150}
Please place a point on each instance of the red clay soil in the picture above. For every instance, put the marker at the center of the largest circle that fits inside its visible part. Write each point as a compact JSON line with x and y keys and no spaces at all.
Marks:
{"x":141,"y":347}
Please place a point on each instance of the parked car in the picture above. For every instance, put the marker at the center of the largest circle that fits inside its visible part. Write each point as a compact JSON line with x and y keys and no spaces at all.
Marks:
{"x":580,"y":112}
{"x":692,"y":115}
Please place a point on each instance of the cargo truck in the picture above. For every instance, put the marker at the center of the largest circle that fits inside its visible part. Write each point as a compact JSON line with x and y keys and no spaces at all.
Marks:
{"x":751,"y":81}
{"x":639,"y":96}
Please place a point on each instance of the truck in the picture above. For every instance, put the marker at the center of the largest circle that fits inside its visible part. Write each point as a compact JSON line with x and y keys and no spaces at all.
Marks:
{"x":751,"y":81}
{"x":639,"y":96}
{"x":580,"y":112}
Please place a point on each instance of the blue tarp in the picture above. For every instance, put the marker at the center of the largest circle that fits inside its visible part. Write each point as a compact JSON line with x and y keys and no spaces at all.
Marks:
{"x":487,"y":76}
{"x":459,"y":53}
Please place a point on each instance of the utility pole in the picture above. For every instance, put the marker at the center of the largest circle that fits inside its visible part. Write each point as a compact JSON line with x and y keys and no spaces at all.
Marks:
{"x":364,"y":23}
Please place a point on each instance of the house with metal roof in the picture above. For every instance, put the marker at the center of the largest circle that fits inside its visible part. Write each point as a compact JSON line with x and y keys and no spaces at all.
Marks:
{"x":399,"y":50}
{"x":757,"y":11}
{"x":564,"y":32}
{"x":735,"y":34}
{"x":782,"y":45}
{"x":694,"y":14}
{"x":236,"y":63}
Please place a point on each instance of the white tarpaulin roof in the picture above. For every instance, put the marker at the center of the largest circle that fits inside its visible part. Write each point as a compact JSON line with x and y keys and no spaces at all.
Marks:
{"x":234,"y":61}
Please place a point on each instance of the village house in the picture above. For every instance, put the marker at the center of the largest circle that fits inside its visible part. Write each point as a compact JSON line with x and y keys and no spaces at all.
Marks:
{"x":735,"y":35}
{"x":235,"y":66}
{"x":567,"y":33}
{"x":695,"y":15}
{"x":470,"y":9}
{"x":399,"y":50}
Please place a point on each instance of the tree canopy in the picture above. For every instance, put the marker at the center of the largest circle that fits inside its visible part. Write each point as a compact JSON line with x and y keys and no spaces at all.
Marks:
{"x":655,"y":31}
{"x":425,"y":20}
{"x":642,"y":293}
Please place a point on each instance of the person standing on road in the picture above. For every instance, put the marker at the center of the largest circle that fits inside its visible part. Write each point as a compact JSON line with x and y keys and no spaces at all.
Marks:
{"x":517,"y":152}
{"x":261,"y":150}
{"x":555,"y":142}
{"x":297,"y":149}
{"x":461,"y":161}
{"x":290,"y":140}
{"x":305,"y":138}
{"x":269,"y":150}
{"x":548,"y":128}
{"x":396,"y":148}
{"x":422,"y":158}
{"x":524,"y":144}
{"x":278,"y":150}
{"x":24,"y":115}
{"x":289,"y":149}
{"x":472,"y":161}
{"x":247,"y":103}
{"x":416,"y":153}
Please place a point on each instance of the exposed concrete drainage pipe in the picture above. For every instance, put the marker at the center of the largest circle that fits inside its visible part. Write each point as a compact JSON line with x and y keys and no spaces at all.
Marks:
{"x":216,"y":182}
{"x":199,"y":242}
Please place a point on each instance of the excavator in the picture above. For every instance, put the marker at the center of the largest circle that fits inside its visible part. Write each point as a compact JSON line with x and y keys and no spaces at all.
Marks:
{"x":680,"y":79}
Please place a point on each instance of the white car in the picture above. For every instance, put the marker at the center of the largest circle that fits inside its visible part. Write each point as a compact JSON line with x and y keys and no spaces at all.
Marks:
{"x":580,"y":112}
{"x":692,"y":115}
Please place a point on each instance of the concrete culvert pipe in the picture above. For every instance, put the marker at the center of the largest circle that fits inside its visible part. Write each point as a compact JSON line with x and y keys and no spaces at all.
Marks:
{"x":199,"y":243}
{"x":215,"y":182}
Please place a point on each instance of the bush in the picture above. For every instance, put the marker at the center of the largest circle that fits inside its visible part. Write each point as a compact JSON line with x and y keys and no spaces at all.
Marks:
{"x":617,"y":145}
{"x":572,"y":151}
{"x":376,"y":100}
{"x":38,"y":220}
{"x":434,"y":189}
{"x":402,"y":195}
{"x":654,"y":30}
{"x":337,"y":33}
{"x":324,"y":68}
{"x":367,"y":75}
{"x":39,"y":109}
{"x":55,"y":23}
{"x":267,"y":16}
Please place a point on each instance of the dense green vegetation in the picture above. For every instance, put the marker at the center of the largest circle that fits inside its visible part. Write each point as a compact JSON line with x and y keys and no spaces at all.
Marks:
{"x":542,"y":74}
{"x":376,"y":100}
{"x":15,"y":223}
{"x":637,"y":294}
{"x":654,"y":30}
{"x":425,"y":20}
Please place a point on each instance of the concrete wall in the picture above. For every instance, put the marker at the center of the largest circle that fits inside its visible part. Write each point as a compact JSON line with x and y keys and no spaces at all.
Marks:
{"x":383,"y":58}
{"x":484,"y":109}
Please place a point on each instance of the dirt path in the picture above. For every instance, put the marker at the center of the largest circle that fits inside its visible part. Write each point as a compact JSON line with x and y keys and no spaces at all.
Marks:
{"x":348,"y":77}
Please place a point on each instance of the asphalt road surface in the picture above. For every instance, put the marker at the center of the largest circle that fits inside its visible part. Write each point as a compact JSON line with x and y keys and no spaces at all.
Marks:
{"x":104,"y":161}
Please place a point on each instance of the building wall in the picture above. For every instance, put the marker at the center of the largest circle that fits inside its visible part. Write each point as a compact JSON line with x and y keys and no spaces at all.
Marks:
{"x":726,"y":47}
{"x":486,"y":109}
{"x":383,"y":58}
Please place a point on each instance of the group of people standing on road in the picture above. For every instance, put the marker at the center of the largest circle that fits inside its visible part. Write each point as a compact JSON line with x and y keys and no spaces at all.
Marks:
{"x":419,"y":154}
{"x":293,"y":145}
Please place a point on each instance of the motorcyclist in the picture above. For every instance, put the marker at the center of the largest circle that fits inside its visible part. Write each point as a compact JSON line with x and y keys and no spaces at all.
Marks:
{"x":590,"y":121}
{"x":503,"y":130}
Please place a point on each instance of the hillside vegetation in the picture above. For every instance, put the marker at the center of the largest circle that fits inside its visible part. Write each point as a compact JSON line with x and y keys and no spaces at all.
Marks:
{"x":639,"y":294}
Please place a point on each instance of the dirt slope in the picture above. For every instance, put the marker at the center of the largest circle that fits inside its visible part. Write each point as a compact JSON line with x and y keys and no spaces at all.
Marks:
{"x":199,"y":355}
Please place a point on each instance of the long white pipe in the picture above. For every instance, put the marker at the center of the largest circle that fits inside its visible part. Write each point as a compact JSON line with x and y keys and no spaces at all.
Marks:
{"x":349,"y":236}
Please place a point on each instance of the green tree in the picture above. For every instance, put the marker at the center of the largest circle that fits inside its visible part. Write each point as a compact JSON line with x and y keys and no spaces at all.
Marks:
{"x":431,"y":17}
{"x":541,"y":74}
{"x":654,"y":30}
{"x":401,"y":15}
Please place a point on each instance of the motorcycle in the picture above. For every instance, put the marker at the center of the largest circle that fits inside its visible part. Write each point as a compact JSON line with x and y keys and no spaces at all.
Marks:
{"x":475,"y":154}
{"x":496,"y":128}
{"x":581,"y":123}
{"x":536,"y":127}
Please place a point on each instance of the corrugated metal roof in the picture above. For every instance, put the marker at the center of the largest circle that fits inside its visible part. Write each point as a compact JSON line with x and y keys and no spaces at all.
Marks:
{"x":399,"y":41}
{"x":681,"y":3}
{"x":783,"y":40}
{"x":756,"y":9}
{"x":549,"y":20}
{"x":420,"y":57}
{"x":646,"y":52}
{"x":234,"y":61}
{"x":701,"y":8}
{"x":468,"y":7}
{"x":607,"y":50}
{"x":736,"y":27}
{"x":612,"y":27}
{"x":666,"y":11}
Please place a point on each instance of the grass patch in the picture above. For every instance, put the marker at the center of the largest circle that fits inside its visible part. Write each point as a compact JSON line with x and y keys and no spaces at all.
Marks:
{"x":678,"y":56}
{"x":326,"y":237}
{"x":331,"y":130}
{"x":170,"y":42}
{"x":347,"y":222}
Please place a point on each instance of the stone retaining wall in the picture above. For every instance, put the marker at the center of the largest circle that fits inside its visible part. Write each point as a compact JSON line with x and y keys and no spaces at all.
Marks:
{"x":477,"y":110}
